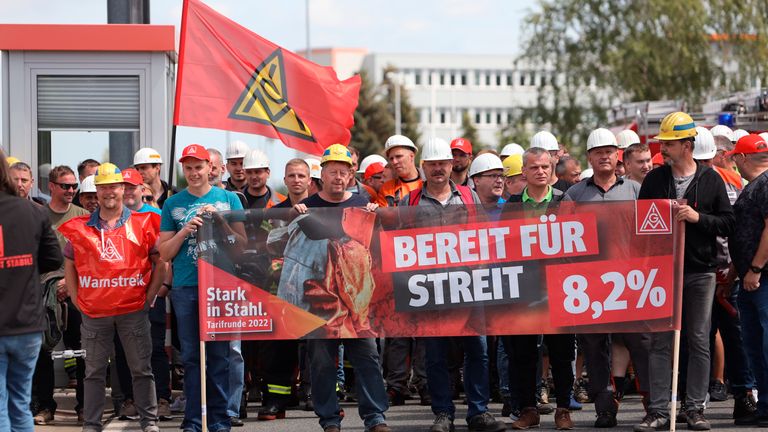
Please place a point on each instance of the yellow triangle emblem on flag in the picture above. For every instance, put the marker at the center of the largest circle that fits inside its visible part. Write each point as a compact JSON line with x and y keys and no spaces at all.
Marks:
{"x":265,"y":100}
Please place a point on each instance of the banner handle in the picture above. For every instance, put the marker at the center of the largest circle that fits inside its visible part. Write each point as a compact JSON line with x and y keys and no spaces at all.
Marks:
{"x":675,"y":373}
{"x":203,"y":402}
{"x":172,"y":157}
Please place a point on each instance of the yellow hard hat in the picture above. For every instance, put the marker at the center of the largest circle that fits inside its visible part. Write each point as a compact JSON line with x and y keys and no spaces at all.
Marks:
{"x":336,"y":153}
{"x":513,"y":165}
{"x":12,"y":160}
{"x":107,"y":173}
{"x":675,"y":126}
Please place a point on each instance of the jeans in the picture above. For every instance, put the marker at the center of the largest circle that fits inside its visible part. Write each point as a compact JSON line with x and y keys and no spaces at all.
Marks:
{"x":185,"y":303}
{"x":476,"y":385}
{"x":236,"y":378}
{"x":737,"y":368}
{"x":502,"y":362}
{"x":98,"y":338}
{"x":753,"y":306}
{"x":525,"y":359}
{"x":18,"y":355}
{"x":369,"y":386}
{"x":402,"y":355}
{"x":698,"y":294}
{"x":160,"y":362}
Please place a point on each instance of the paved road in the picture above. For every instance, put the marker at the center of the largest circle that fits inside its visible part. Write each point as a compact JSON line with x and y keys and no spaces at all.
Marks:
{"x":408,"y":418}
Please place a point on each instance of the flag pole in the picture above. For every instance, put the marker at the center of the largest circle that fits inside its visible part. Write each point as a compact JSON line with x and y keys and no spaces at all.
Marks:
{"x":172,"y":156}
{"x":203,"y":402}
{"x":675,"y":373}
{"x":177,"y":96}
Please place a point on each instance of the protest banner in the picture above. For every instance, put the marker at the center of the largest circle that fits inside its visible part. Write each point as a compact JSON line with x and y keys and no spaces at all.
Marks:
{"x":401,"y":272}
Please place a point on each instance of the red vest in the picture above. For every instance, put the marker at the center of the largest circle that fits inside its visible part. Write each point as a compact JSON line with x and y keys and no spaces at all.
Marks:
{"x":113,"y":267}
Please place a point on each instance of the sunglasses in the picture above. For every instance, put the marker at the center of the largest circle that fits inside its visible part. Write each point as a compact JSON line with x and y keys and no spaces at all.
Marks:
{"x":66,"y":186}
{"x":147,"y":198}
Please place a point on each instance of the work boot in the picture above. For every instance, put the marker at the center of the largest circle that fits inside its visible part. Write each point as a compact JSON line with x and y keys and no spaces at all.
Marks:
{"x":44,"y":417}
{"x":443,"y":423}
{"x":485,"y":422}
{"x":164,"y":410}
{"x":529,"y":418}
{"x":580,"y":391}
{"x":236,"y":422}
{"x":331,"y":429}
{"x":395,"y":398}
{"x":271,"y":411}
{"x":128,"y":410}
{"x":717,"y":391}
{"x":381,"y":427}
{"x":606,"y":419}
{"x":563,"y":419}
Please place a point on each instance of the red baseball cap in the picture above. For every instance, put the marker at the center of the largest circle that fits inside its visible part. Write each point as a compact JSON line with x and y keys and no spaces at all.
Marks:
{"x":195,"y":151}
{"x":462,"y":144}
{"x":621,"y":155}
{"x":749,"y":144}
{"x":373,"y":169}
{"x":131,"y":176}
{"x":657,"y":159}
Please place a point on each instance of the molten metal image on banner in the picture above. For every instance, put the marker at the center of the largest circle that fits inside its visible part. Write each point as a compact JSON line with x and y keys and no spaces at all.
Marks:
{"x":456,"y":271}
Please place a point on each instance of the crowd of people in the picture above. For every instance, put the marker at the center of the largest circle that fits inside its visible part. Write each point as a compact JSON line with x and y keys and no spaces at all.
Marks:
{"x":113,"y":245}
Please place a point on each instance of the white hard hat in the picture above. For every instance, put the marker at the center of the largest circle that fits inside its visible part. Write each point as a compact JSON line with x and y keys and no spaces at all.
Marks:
{"x":399,"y":141}
{"x":314,"y":167}
{"x":601,"y":137}
{"x":722,"y":130}
{"x":738,"y":134}
{"x":147,"y":155}
{"x":255,"y":159}
{"x":88,"y":185}
{"x":764,"y":136}
{"x":704,"y":144}
{"x":626,"y":138}
{"x":545,"y":140}
{"x":485,"y":162}
{"x":511,"y":149}
{"x":587,"y":173}
{"x":371,"y":159}
{"x":236,"y":150}
{"x":436,"y":149}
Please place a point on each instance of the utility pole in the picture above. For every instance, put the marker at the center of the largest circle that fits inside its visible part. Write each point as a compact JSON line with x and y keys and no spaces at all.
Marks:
{"x":309,"y":53}
{"x":122,"y":145}
{"x":394,"y":79}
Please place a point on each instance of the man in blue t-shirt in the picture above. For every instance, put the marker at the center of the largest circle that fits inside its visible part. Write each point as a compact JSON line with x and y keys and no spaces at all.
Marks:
{"x":182,"y":216}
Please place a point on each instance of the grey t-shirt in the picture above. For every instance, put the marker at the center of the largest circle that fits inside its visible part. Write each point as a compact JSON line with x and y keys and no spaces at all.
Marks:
{"x":681,"y":185}
{"x":587,"y":190}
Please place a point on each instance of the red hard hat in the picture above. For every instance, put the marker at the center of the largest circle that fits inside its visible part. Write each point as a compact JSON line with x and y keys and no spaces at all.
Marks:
{"x":462,"y":144}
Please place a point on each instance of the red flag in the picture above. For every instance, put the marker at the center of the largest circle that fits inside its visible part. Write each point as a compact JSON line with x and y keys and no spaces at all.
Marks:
{"x":232,"y":79}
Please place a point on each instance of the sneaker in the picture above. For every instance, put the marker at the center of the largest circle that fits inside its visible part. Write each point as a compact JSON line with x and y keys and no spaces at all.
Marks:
{"x":381,"y":427}
{"x":514,"y":414}
{"x":563,"y":419}
{"x":395,"y":398}
{"x":236,"y":422}
{"x":443,"y":423}
{"x":178,"y":404}
{"x":606,"y":419}
{"x":128,"y":411}
{"x":574,"y":405}
{"x":717,"y":391}
{"x":652,"y":422}
{"x":580,"y":391}
{"x":271,"y":412}
{"x":164,"y":410}
{"x":744,"y":411}
{"x":485,"y":422}
{"x":529,"y":418}
{"x":542,"y":394}
{"x":44,"y":417}
{"x":545,"y":409}
{"x":696,"y":420}
{"x":680,"y":417}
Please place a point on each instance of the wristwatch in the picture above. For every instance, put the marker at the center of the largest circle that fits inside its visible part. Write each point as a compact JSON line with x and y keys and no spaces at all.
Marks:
{"x":755,"y":269}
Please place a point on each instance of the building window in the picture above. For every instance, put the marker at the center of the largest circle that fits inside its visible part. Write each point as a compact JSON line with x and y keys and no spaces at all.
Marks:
{"x":477,"y":78}
{"x":417,"y":78}
{"x":488,"y":79}
{"x":488,"y":118}
{"x":463,"y":79}
{"x":498,"y":80}
{"x":522,"y":79}
{"x":509,"y":79}
{"x":429,"y":77}
{"x":453,"y":80}
{"x":442,"y":78}
{"x":498,"y":118}
{"x":477,"y":118}
{"x":533,"y":79}
{"x":442,"y":117}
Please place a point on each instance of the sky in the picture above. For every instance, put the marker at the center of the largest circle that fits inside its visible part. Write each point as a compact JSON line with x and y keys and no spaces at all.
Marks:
{"x":383,"y":26}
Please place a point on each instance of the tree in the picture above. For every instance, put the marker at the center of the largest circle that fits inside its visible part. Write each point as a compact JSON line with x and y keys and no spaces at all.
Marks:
{"x":409,"y":120}
{"x":469,"y":132}
{"x":602,"y":52}
{"x":373,"y":121}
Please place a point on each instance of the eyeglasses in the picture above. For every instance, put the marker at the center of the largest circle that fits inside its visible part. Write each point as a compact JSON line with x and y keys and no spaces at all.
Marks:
{"x":66,"y":186}
{"x":147,"y":198}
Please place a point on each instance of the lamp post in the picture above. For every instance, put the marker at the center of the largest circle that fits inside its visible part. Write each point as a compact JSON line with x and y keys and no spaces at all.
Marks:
{"x":395,"y":79}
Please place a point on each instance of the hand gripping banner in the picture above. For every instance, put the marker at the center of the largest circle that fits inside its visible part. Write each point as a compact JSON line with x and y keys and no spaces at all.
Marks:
{"x":456,"y":271}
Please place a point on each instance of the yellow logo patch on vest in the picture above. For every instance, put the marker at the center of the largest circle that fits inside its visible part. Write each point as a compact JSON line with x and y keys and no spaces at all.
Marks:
{"x":265,"y":100}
